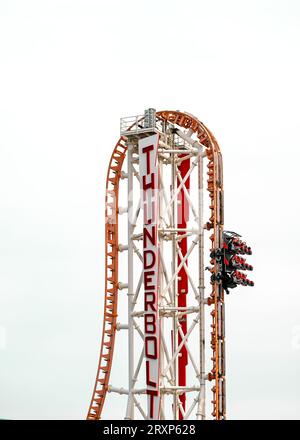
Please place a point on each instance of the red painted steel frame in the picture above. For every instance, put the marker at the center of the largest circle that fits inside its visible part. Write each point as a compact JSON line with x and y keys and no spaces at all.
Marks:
{"x":182,"y":283}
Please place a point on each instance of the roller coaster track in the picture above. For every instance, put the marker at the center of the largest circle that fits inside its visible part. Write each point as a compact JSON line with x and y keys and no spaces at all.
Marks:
{"x":111,"y":282}
{"x":216,"y":298}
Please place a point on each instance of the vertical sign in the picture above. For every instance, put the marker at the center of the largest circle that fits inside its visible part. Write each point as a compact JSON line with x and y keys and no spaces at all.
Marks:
{"x":149,"y":187}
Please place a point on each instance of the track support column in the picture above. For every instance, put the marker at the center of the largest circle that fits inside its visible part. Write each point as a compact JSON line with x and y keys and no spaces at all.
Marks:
{"x":130,"y":293}
{"x":201,"y":402}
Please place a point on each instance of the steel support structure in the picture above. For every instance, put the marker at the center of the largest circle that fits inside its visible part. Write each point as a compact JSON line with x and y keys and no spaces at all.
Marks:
{"x":184,"y":152}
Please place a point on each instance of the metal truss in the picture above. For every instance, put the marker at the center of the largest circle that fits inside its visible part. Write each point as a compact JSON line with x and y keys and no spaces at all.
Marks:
{"x":186,"y":152}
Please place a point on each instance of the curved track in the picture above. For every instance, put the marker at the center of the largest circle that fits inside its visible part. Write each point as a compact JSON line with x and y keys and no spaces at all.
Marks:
{"x":111,"y":282}
{"x":216,"y":298}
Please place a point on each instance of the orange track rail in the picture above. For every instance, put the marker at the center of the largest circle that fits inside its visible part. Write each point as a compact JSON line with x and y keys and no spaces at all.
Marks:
{"x":216,"y":299}
{"x":111,"y":285}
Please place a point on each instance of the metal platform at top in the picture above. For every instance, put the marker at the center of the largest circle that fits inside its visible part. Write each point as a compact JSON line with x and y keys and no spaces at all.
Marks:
{"x":141,"y":125}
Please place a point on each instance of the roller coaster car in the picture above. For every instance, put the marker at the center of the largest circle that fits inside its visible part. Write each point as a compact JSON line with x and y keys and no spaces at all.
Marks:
{"x":228,"y":283}
{"x":232,"y":263}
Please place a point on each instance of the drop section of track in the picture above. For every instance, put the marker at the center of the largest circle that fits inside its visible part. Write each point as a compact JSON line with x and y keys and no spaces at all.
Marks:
{"x":111,"y":282}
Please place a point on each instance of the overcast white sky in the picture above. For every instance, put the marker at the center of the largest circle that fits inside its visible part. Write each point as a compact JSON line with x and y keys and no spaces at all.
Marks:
{"x":69,"y":69}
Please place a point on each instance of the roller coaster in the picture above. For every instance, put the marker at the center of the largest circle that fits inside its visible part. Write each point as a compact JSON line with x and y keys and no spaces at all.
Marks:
{"x":175,"y":244}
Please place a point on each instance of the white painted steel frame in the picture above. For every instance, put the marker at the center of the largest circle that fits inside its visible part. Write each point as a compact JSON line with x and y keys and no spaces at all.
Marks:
{"x":168,"y":307}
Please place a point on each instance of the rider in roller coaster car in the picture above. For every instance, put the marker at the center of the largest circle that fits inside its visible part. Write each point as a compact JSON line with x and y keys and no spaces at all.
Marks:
{"x":230,"y":263}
